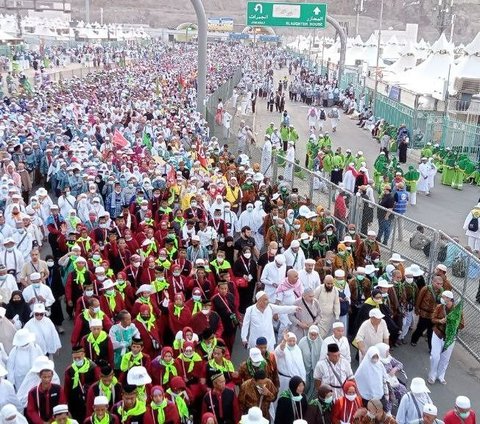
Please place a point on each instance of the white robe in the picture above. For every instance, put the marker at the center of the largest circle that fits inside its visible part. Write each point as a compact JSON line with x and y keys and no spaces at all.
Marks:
{"x":19,"y":420}
{"x":432,"y":171}
{"x":407,"y":412}
{"x":289,"y":364}
{"x":342,"y":344}
{"x":7,"y":332}
{"x":289,"y":165}
{"x":371,"y":378}
{"x":271,"y":275}
{"x":309,"y":280}
{"x":43,"y":291}
{"x":422,"y":184}
{"x":295,"y":260}
{"x":349,"y":181}
{"x":266,"y":163}
{"x":20,"y":361}
{"x":7,"y":394}
{"x":45,"y":334}
{"x":260,"y":324}
{"x":7,"y":286}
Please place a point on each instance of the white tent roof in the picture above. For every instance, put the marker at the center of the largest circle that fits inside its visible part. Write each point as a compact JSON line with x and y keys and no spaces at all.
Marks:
{"x":474,"y":46}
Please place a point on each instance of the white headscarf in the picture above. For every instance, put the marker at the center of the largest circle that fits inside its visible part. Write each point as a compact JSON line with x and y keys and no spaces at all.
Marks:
{"x":371,"y":377}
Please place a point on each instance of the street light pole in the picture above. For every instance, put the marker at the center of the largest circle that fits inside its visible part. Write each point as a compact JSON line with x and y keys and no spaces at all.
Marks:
{"x":202,"y":55}
{"x":375,"y":92}
{"x":358,"y":9}
{"x":87,"y":11}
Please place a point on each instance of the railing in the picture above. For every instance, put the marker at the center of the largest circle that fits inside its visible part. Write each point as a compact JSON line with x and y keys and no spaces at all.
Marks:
{"x":442,"y":248}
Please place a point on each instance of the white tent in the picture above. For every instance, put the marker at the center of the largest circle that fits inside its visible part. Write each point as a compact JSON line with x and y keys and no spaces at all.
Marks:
{"x":407,"y":60}
{"x":354,"y":50}
{"x":432,"y":73}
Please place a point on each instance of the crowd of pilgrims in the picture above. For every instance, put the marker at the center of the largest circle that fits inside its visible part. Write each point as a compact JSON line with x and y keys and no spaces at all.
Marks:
{"x":163,"y":247}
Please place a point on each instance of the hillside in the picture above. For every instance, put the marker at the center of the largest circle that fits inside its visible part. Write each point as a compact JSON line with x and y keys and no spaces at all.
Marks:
{"x":169,"y":13}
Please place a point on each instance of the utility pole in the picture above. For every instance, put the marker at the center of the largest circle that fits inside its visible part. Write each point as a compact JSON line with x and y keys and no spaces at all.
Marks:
{"x":445,"y":15}
{"x":378,"y":59}
{"x":87,"y":11}
{"x":358,"y":9}
{"x":202,"y":55}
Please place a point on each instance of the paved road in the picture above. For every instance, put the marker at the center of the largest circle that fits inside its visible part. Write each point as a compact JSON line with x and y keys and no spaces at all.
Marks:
{"x":445,"y":209}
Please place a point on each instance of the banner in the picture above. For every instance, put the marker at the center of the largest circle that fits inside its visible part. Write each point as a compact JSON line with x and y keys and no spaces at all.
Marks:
{"x":220,"y":24}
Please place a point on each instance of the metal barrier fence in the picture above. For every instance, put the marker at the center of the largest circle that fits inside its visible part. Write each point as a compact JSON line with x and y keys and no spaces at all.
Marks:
{"x":441,"y":248}
{"x":223,"y":92}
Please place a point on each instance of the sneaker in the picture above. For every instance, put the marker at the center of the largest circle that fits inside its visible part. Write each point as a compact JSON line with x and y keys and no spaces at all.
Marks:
{"x":442,"y":381}
{"x":430,"y":381}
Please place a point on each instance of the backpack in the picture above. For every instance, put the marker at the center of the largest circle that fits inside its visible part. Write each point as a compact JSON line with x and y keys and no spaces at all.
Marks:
{"x":323,"y":117}
{"x":473,"y":224}
{"x":459,"y":267}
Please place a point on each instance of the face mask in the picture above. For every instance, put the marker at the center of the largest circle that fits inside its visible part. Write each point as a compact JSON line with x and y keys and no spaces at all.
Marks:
{"x":96,"y":257}
{"x":220,"y":259}
{"x":101,"y":277}
{"x":136,"y":264}
{"x":193,"y":204}
{"x":188,"y":354}
{"x":37,"y":286}
{"x":109,"y":291}
{"x":370,"y":415}
{"x":196,"y":297}
{"x":442,"y":301}
{"x":89,"y":293}
{"x":296,"y":226}
{"x":9,"y":249}
{"x":409,"y":279}
{"x":351,"y":398}
{"x":341,"y":252}
{"x":351,"y":232}
{"x":329,"y":233}
{"x":227,"y":210}
{"x":297,"y":398}
{"x":384,"y":294}
{"x":464,"y":415}
{"x":130,"y":185}
{"x":144,"y":208}
{"x":50,"y":264}
{"x":162,"y":258}
{"x":328,"y":400}
{"x":247,"y":255}
{"x":249,"y":209}
{"x":176,"y":274}
{"x":96,"y":309}
{"x":205,"y":311}
{"x":78,"y":362}
{"x":360,"y":277}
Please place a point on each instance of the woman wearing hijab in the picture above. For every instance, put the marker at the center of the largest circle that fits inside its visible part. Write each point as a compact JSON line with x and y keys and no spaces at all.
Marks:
{"x":163,"y":411}
{"x":311,"y":346}
{"x":289,"y":360}
{"x":17,"y":310}
{"x":320,"y":409}
{"x":245,"y":267}
{"x":375,"y":414}
{"x":371,"y":377}
{"x":346,"y":407}
{"x":209,"y":418}
{"x":392,"y":367}
{"x":292,"y":403}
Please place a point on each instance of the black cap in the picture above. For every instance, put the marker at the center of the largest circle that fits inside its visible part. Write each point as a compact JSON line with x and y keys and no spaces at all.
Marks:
{"x":333,"y":348}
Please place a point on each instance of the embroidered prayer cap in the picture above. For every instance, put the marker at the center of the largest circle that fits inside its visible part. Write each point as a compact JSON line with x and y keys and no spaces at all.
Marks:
{"x":38,"y":308}
{"x":34,"y":276}
{"x":60,"y":409}
{"x":430,"y":409}
{"x":100,"y":401}
{"x":95,"y":323}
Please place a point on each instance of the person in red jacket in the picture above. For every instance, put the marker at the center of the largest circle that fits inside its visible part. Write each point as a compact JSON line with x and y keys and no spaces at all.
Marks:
{"x":81,"y":326}
{"x":100,"y":413}
{"x":107,"y":386}
{"x":131,"y":410}
{"x":462,"y":414}
{"x":221,"y":401}
{"x":76,"y":280}
{"x":132,"y":271}
{"x":224,"y":304}
{"x":43,"y":398}
{"x":97,"y":345}
{"x":145,"y":297}
{"x":195,"y":302}
{"x":163,"y":410}
{"x":82,"y":302}
{"x":111,"y":301}
{"x":177,"y":281}
{"x":163,"y":367}
{"x":179,"y":315}
{"x":146,"y":324}
{"x":191,"y":367}
{"x":346,"y":407}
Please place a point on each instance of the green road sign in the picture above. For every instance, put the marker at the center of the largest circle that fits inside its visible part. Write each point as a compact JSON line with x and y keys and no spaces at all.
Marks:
{"x":301,"y":15}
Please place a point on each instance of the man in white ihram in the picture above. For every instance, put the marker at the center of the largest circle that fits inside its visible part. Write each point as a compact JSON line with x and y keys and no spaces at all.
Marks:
{"x":37,"y":292}
{"x":294,"y":256}
{"x":258,"y":320}
{"x":412,"y":403}
{"x":338,"y":337}
{"x":308,"y":276}
{"x":272,"y":275}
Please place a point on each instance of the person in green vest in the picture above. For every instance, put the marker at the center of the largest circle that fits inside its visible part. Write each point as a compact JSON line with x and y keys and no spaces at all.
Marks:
{"x":312,"y":151}
{"x":61,"y":415}
{"x":284,"y":134}
{"x":348,"y":158}
{"x":427,"y":151}
{"x":379,"y":169}
{"x":359,"y":159}
{"x":328,"y":163}
{"x":270,"y":129}
{"x":163,"y":409}
{"x":325,"y":141}
{"x":135,"y":357}
{"x":220,"y":264}
{"x":439,"y":158}
{"x":292,"y":134}
{"x":449,"y":168}
{"x":411,"y":177}
{"x":163,"y":259}
{"x":459,"y":173}
{"x":337,"y":171}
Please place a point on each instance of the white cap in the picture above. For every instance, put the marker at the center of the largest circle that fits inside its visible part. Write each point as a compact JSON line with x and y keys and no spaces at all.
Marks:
{"x":348,"y":239}
{"x":35,"y":276}
{"x":41,"y":363}
{"x":254,"y":416}
{"x":310,"y":261}
{"x":195,"y":238}
{"x":417,"y":385}
{"x":371,"y":233}
{"x":396,"y":258}
{"x":442,"y":267}
{"x":463,"y":402}
{"x":99,"y":270}
{"x":60,"y":409}
{"x":339,"y":273}
{"x":280,"y":259}
{"x":295,"y":244}
{"x":375,"y":313}
{"x":260,"y":294}
{"x":255,"y":354}
{"x":447,"y":293}
{"x":138,"y":376}
{"x":360,"y":270}
{"x":338,"y":324}
{"x":3,"y":371}
{"x":100,"y":400}
{"x":370,"y":269}
{"x":95,"y":323}
{"x":384,"y":284}
{"x":38,"y":308}
{"x":144,"y":288}
{"x":415,"y":270}
{"x":8,"y":411}
{"x":430,"y":409}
